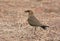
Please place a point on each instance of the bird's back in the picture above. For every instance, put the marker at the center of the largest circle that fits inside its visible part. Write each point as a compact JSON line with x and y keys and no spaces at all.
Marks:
{"x":32,"y":20}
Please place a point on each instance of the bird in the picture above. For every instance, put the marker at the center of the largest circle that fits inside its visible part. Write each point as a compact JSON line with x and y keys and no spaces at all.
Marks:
{"x":33,"y":21}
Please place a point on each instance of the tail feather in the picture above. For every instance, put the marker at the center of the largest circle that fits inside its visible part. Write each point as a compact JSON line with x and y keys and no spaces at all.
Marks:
{"x":44,"y":27}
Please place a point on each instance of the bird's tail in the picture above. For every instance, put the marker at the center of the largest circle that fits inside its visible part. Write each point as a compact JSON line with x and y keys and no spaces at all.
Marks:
{"x":44,"y":27}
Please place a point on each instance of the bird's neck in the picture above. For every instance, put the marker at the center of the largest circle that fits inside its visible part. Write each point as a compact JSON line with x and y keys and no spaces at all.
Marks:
{"x":30,"y":15}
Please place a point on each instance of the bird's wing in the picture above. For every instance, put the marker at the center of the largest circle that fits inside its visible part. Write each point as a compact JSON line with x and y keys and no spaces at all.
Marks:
{"x":33,"y":21}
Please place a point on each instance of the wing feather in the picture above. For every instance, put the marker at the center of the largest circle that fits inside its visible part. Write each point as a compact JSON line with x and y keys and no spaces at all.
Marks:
{"x":33,"y":21}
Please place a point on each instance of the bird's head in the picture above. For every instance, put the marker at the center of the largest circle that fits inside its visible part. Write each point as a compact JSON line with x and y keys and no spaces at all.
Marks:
{"x":30,"y":12}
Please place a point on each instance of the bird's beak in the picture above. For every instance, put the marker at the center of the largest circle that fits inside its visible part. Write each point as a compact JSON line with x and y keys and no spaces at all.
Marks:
{"x":27,"y":11}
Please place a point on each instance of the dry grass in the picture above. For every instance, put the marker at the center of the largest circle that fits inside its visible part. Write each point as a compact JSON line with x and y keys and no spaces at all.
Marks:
{"x":14,"y":25}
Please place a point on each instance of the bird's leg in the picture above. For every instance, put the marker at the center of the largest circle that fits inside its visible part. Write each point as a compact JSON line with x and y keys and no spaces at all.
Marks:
{"x":35,"y":31}
{"x":21,"y":25}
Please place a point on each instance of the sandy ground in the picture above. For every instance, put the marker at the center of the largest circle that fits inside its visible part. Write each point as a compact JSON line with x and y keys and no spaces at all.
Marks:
{"x":14,"y":25}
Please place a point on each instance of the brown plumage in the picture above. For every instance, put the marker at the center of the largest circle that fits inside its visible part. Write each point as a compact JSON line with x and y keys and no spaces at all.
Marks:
{"x":33,"y":21}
